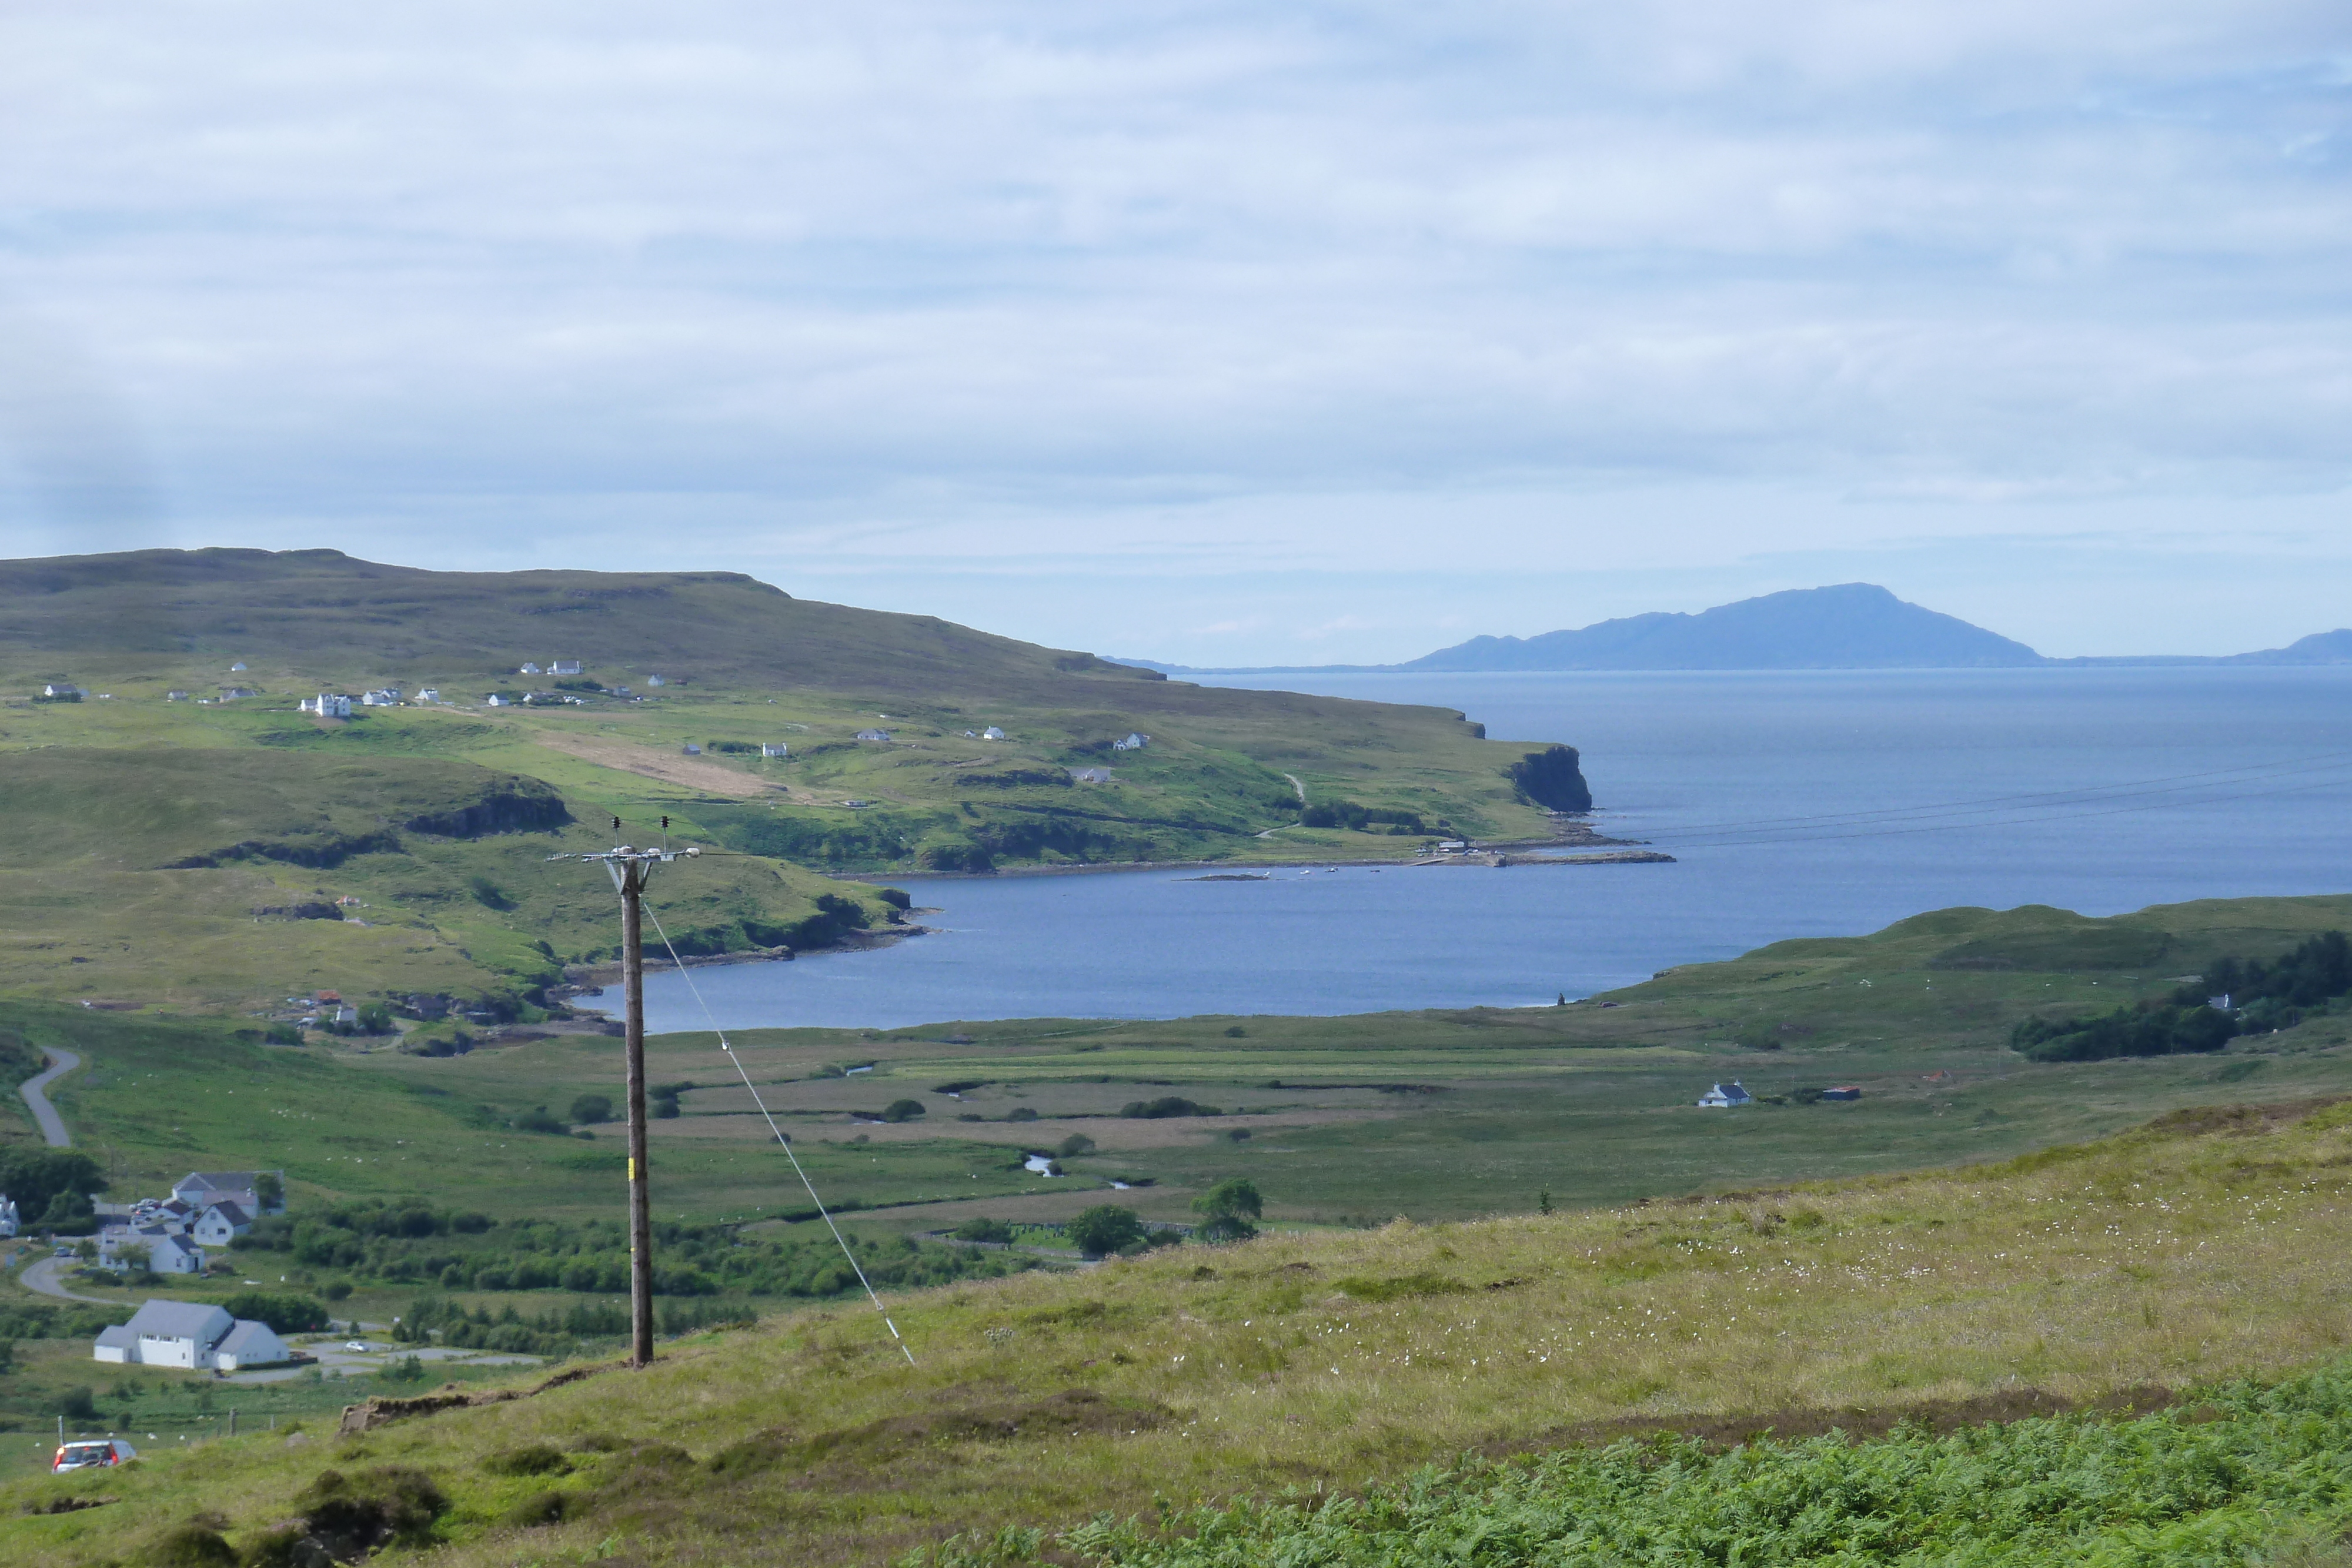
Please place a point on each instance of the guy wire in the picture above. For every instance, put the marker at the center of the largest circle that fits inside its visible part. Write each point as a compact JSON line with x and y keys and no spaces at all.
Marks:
{"x":787,"y":1144}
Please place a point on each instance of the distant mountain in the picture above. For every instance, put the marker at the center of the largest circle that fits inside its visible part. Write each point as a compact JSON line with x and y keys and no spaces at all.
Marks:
{"x":1851,"y":626}
{"x":2319,"y":648}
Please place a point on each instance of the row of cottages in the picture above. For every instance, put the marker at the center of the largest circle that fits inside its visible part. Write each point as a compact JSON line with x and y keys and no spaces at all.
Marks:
{"x":554,"y":667}
{"x":990,"y":733}
{"x":190,"y":1336}
{"x":873,"y":735}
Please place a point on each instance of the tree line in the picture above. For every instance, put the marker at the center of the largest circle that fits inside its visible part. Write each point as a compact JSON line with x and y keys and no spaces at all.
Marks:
{"x":2235,"y":996}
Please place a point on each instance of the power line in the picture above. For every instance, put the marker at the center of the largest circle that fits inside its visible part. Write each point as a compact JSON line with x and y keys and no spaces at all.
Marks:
{"x":786,"y":1143}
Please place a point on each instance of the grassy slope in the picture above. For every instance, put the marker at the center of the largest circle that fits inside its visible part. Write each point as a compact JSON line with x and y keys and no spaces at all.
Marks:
{"x":748,"y":663}
{"x":107,"y":792}
{"x":108,"y":913}
{"x":1333,"y":1362}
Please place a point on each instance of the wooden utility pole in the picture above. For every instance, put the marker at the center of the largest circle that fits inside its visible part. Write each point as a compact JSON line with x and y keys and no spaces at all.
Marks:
{"x":631,"y":874}
{"x":630,"y":867}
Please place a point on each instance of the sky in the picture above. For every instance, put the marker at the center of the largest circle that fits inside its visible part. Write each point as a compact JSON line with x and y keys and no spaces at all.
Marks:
{"x":1218,"y":333}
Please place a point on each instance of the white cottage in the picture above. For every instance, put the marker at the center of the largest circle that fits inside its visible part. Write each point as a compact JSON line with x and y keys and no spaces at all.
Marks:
{"x":774,"y":749}
{"x":1135,"y":741}
{"x":220,"y":1224}
{"x":1724,"y":1095}
{"x":991,"y":733}
{"x":188,"y":1335}
{"x":9,"y":1223}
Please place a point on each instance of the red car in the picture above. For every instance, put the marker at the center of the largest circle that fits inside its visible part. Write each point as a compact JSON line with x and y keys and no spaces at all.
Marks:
{"x":82,"y":1456}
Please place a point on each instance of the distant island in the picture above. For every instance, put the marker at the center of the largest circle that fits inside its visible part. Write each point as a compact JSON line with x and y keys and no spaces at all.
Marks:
{"x":1849,"y":626}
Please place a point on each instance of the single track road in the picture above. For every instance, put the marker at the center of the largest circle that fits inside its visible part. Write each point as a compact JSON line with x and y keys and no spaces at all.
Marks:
{"x":52,"y":1125}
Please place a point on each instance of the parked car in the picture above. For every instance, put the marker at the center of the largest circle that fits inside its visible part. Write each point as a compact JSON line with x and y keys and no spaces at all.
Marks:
{"x":355,"y":1345}
{"x":82,"y":1456}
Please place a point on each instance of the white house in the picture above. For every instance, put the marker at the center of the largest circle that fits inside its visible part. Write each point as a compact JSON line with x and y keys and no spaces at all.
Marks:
{"x":186,"y":1334}
{"x":530,"y":669}
{"x":1723,"y":1096}
{"x":61,"y":689}
{"x":656,"y":681}
{"x":774,"y":749}
{"x":201,"y":1189}
{"x":329,"y":704}
{"x":168,"y":1252}
{"x":991,"y":733}
{"x":230,"y":693}
{"x":873,"y":735}
{"x":220,"y":1223}
{"x":494,"y":700}
{"x":384,"y":696}
{"x":9,"y":1223}
{"x":564,"y":667}
{"x":232,"y":669}
{"x":428,"y":693}
{"x":1134,"y":742}
{"x":175,"y":696}
{"x":1091,"y":775}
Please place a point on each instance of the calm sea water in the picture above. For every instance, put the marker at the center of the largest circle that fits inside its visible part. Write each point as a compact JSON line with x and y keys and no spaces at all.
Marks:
{"x":1798,"y":804}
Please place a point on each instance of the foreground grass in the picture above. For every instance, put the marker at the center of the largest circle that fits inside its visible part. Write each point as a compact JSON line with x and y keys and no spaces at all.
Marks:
{"x":2209,"y":1247}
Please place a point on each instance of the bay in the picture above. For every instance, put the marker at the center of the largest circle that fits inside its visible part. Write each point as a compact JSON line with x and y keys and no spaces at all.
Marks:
{"x":1806,"y":803}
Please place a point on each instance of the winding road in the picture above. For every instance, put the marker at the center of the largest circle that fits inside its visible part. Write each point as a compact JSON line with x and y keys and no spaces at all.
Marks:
{"x":52,"y":1125}
{"x":41,"y":1278}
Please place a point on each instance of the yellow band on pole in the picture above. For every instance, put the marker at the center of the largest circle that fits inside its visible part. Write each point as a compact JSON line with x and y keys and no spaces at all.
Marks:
{"x":633,"y":1167}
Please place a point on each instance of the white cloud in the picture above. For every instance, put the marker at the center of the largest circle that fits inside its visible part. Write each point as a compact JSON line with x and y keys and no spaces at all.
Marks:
{"x":1188,"y":288}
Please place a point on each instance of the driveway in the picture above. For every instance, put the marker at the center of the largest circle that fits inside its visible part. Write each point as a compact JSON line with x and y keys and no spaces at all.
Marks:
{"x":41,"y":1277}
{"x":52,"y":1125}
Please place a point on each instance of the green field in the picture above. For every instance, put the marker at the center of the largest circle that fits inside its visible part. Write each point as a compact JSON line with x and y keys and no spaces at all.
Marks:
{"x":1339,"y":1120}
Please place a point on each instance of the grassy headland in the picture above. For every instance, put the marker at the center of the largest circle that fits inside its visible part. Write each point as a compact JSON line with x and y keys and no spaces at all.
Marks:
{"x":156,"y":827}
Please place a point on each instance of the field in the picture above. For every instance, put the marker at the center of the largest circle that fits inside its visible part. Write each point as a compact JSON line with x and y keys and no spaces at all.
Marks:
{"x":2112,"y":1274}
{"x":1344,"y":1122}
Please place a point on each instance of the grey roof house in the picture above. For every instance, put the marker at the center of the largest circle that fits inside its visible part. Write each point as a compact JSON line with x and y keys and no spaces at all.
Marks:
{"x":190,"y":1336}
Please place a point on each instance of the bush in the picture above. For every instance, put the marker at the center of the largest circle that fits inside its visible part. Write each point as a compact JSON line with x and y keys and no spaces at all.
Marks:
{"x":1021,"y":1114}
{"x":1166,"y":1106}
{"x":537,"y":1119}
{"x":390,"y":1504}
{"x":532,"y":1460}
{"x":1104,"y":1230}
{"x":982,"y":1229}
{"x":593,"y":1109}
{"x":1077,"y":1143}
{"x":77,"y":1403}
{"x":1228,"y":1209}
{"x":337,"y":1290}
{"x":195,"y":1544}
{"x":284,"y":1313}
{"x":902,"y":1110}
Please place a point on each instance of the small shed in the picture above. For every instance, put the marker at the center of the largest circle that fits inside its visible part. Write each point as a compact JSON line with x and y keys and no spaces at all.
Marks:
{"x":1724,"y":1095}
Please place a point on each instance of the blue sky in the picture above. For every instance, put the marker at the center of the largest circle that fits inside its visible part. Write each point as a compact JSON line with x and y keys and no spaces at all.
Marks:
{"x":1218,"y":333}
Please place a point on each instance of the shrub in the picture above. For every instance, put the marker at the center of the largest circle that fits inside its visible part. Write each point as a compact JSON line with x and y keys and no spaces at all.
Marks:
{"x":1227,"y":1210}
{"x":77,"y":1403}
{"x":195,"y":1544}
{"x":532,"y":1460}
{"x":592,"y":1109}
{"x":1166,"y":1106}
{"x":902,"y":1110}
{"x":1021,"y":1114}
{"x":337,"y":1290}
{"x":390,"y":1504}
{"x":543,"y":1508}
{"x":1077,"y":1143}
{"x":537,"y":1119}
{"x":978,"y":1229}
{"x":284,"y":1313}
{"x":1104,"y":1230}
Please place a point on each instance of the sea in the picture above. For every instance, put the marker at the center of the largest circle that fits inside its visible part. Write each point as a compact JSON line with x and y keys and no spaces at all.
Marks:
{"x":1795,"y":804}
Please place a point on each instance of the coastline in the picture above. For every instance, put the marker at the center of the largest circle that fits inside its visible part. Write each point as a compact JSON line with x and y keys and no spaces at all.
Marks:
{"x":582,"y":980}
{"x":1572,"y":836}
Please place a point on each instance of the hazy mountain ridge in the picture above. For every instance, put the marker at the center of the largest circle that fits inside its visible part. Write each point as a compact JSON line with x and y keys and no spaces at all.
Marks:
{"x":1849,"y":626}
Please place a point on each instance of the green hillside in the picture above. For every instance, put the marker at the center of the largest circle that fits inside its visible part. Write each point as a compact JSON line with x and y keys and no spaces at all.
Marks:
{"x":690,"y":681}
{"x":2110,"y":1277}
{"x":217,"y":876}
